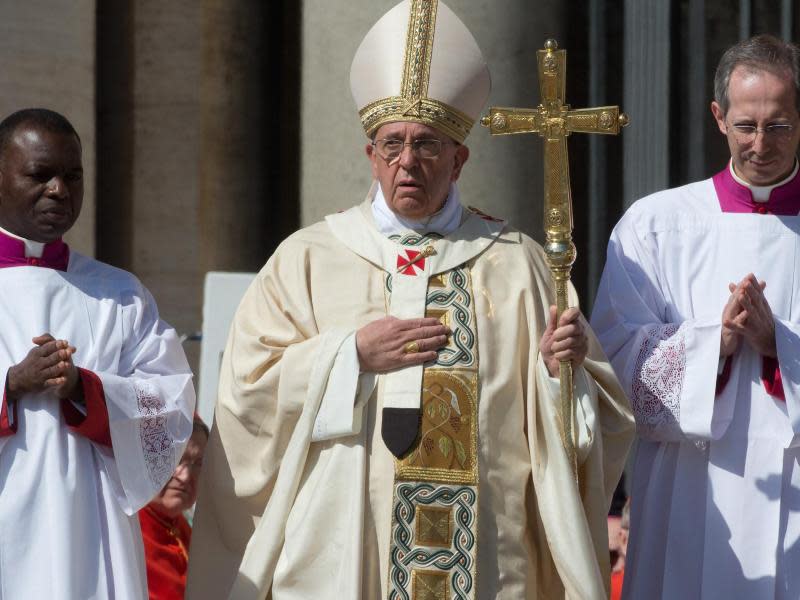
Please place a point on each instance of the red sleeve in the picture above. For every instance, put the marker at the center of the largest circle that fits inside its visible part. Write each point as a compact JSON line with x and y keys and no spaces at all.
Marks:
{"x":616,"y":584}
{"x":8,"y":417}
{"x":94,"y":424}
{"x":722,"y":378}
{"x":771,"y":378}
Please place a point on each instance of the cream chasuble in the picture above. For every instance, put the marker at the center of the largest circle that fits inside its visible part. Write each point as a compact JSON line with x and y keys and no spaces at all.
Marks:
{"x":484,"y":505}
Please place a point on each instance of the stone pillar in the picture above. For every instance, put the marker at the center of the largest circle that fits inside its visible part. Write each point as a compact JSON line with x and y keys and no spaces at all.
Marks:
{"x":232,"y":122}
{"x":503,"y":176}
{"x":198,"y":130}
{"x":249,"y":130}
{"x":47,"y":59}
{"x":149,"y":73}
{"x":647,"y":58}
{"x":166,"y":142}
{"x":697,"y":99}
{"x":598,"y":201}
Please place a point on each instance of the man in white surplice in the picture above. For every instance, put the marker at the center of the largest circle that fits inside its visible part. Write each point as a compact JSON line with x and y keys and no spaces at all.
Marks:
{"x":698,"y":310}
{"x":386,"y":424}
{"x":98,"y":400}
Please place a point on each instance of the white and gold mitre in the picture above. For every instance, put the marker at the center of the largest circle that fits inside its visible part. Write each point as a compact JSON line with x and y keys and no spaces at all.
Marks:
{"x":420,"y":63}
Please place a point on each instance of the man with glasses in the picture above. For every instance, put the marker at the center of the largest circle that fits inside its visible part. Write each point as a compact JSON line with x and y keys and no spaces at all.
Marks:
{"x":387,"y":419}
{"x":698,"y":310}
{"x":165,"y":531}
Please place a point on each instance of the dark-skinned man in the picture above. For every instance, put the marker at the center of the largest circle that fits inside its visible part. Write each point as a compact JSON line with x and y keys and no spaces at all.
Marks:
{"x":386,"y":424}
{"x":698,"y":310}
{"x":98,"y":398}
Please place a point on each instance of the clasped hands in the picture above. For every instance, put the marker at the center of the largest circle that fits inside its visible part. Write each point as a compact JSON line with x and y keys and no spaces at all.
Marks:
{"x":383,"y":345}
{"x":47,"y":365}
{"x":747,"y":316}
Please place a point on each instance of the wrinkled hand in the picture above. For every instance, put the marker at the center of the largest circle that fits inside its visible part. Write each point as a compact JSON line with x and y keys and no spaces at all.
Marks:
{"x":568,"y":341}
{"x":754,"y":321}
{"x":732,"y":315}
{"x":48,"y":365}
{"x":381,"y":344}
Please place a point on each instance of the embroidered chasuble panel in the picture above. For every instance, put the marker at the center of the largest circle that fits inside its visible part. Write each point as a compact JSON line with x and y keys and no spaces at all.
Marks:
{"x":435,"y":507}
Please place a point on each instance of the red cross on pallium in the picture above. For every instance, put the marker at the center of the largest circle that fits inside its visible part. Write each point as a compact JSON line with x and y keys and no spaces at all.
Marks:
{"x":408,"y":264}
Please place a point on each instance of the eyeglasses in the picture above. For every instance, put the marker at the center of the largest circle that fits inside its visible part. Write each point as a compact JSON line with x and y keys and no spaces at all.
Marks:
{"x":194,"y":465}
{"x":746,"y":133}
{"x":390,"y":149}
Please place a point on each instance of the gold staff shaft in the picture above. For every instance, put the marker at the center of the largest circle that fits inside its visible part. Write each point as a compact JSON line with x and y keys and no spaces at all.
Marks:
{"x":560,"y":252}
{"x":554,"y":121}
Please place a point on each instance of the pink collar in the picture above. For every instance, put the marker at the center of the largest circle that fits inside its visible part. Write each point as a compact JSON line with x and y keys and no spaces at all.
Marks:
{"x":12,"y":254}
{"x":737,"y":198}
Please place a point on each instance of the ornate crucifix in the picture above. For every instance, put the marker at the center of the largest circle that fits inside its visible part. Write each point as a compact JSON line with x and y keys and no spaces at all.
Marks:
{"x":554,"y":121}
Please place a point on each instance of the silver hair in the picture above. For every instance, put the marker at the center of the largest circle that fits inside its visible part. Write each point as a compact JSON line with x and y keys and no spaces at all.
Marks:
{"x":760,"y":53}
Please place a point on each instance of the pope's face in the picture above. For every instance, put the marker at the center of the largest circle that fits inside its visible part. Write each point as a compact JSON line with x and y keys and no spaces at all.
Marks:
{"x":181,"y":490}
{"x":416,"y":188}
{"x":760,"y":99}
{"x":41,"y":183}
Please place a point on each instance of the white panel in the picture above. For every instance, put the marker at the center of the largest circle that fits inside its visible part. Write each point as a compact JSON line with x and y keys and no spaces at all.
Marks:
{"x":222,"y":293}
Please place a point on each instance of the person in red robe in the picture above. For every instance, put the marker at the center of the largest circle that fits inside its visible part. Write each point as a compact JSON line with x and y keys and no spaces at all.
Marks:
{"x":165,"y":531}
{"x":620,"y":543}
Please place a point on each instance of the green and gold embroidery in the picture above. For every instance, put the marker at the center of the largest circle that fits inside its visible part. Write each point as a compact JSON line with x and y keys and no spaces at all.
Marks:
{"x":435,"y":512}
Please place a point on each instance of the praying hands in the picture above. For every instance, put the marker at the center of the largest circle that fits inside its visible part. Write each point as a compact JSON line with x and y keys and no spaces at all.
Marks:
{"x":748,"y":316}
{"x":48,"y":364}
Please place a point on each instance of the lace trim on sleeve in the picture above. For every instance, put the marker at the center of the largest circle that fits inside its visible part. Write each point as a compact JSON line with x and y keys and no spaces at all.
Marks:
{"x":657,"y":382}
{"x":157,"y":443}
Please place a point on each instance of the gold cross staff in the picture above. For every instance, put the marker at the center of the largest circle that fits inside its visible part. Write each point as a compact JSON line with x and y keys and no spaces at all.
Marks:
{"x":554,"y":121}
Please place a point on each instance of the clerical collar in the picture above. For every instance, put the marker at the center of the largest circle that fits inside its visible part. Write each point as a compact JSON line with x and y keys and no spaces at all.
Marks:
{"x":737,"y":196}
{"x":16,"y":251}
{"x":761,"y":193}
{"x":444,"y":222}
{"x":32,"y":248}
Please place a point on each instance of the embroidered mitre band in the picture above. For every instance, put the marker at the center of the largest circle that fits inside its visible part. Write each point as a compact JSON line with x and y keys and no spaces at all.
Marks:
{"x":420,"y":63}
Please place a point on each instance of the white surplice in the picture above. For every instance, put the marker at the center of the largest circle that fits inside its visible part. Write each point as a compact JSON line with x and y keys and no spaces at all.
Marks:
{"x":716,"y":485}
{"x":68,"y":525}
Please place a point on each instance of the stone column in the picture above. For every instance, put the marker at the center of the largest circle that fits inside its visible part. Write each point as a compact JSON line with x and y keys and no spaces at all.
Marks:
{"x":197,"y":108}
{"x":47,"y":59}
{"x":697,"y":101}
{"x":503,"y":176}
{"x":249,"y":129}
{"x":166,"y":142}
{"x":647,"y":59}
{"x":149,"y":72}
{"x":232,"y":122}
